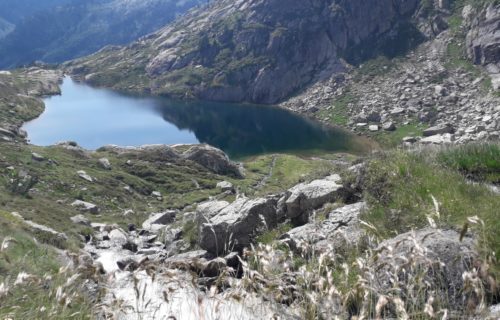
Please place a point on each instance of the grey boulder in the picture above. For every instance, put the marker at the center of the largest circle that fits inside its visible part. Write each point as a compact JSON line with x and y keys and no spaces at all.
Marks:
{"x":305,"y":197}
{"x":235,"y":225}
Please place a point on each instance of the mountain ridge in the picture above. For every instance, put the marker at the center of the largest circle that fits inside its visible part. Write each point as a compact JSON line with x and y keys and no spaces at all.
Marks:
{"x":233,"y":51}
{"x":80,"y":28}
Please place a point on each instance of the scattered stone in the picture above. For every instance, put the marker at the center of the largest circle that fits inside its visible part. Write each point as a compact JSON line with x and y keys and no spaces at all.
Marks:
{"x":128,"y":212}
{"x":80,"y":219}
{"x":118,"y":236}
{"x":82,"y":174}
{"x":225,"y":186}
{"x":409,"y":139}
{"x":86,"y":206}
{"x":37,"y":157}
{"x":389,"y":126}
{"x":157,"y":195}
{"x":373,"y":128}
{"x":446,"y":138}
{"x":159,"y":220}
{"x":439,"y":129}
{"x":105,"y":164}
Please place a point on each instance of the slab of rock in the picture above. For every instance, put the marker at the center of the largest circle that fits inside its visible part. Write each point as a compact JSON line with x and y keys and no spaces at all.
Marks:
{"x":82,"y":174}
{"x":37,"y":157}
{"x":86,"y":206}
{"x":389,"y":126}
{"x":159,"y":220}
{"x":446,"y":138}
{"x":439,"y":129}
{"x":373,"y":128}
{"x":235,"y":226}
{"x":105,"y":164}
{"x":47,"y":234}
{"x":338,"y":232}
{"x":225,"y":186}
{"x":439,"y":254}
{"x":213,"y":159}
{"x":80,"y":219}
{"x":305,"y":197}
{"x":118,"y":236}
{"x":7,"y":133}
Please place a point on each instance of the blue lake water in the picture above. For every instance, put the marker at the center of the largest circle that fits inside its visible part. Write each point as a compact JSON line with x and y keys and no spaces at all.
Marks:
{"x":95,"y":117}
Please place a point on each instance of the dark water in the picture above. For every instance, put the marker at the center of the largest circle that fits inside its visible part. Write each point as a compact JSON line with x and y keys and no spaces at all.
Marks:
{"x":96,"y":117}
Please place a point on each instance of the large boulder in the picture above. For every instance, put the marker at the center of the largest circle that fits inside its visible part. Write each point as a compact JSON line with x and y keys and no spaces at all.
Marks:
{"x":213,"y":159}
{"x":86,"y":206}
{"x":305,"y":197}
{"x":339,"y":231}
{"x":236,"y":224}
{"x":439,"y":129}
{"x":425,"y":262}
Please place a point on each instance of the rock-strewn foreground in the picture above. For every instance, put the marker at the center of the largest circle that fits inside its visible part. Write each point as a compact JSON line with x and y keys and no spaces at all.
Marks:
{"x":183,"y":232}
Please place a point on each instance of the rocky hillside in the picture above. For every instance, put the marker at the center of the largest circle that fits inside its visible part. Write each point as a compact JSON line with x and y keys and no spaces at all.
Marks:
{"x":184,"y":231}
{"x":98,"y":23}
{"x":5,"y":28}
{"x":259,"y":51}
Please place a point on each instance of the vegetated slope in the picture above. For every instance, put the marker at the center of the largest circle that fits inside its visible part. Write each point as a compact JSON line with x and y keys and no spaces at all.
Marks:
{"x":259,"y":51}
{"x":83,"y":27}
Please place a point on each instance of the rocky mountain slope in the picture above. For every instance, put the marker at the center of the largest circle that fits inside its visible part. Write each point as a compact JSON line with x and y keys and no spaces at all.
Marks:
{"x":259,"y":51}
{"x":5,"y":28}
{"x":98,"y":23}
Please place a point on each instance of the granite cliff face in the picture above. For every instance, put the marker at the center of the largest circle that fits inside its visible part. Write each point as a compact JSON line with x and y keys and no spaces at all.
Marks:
{"x":259,"y":50}
{"x":483,"y":39}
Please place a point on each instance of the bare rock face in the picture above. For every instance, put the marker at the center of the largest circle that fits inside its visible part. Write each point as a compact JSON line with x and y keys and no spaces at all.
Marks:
{"x":305,"y":197}
{"x":233,"y":226}
{"x":213,"y":159}
{"x":256,"y":50}
{"x":340,"y":230}
{"x":483,"y":41}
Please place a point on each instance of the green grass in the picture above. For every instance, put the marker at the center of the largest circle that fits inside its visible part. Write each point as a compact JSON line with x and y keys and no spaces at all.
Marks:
{"x":400,"y":186}
{"x":272,"y":235}
{"x":480,"y":162}
{"x":339,"y":112}
{"x":393,"y":139}
{"x":28,"y":301}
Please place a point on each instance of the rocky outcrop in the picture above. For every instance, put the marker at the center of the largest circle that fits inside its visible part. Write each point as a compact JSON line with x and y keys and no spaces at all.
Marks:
{"x":227,"y":227}
{"x":213,"y":159}
{"x":338,"y":232}
{"x":306,"y":197}
{"x":483,"y":40}
{"x":259,"y":51}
